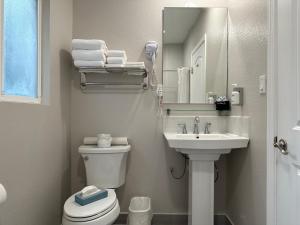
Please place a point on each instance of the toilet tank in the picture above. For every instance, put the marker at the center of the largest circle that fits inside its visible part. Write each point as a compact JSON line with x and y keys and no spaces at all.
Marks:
{"x":105,"y":167}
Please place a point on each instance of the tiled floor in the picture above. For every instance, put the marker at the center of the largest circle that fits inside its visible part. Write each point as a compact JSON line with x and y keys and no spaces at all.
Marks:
{"x":173,"y":220}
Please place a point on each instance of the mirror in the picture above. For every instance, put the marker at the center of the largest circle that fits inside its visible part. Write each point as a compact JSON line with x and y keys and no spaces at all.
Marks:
{"x":195,"y":54}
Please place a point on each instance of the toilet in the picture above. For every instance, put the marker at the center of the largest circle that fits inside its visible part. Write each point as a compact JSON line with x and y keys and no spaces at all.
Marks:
{"x":105,"y":168}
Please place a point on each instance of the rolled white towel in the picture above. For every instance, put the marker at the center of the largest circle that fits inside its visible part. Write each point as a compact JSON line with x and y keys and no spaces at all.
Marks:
{"x":116,"y":60}
{"x":90,"y":140}
{"x":115,"y":141}
{"x":116,"y":53}
{"x":81,"y":63}
{"x":119,"y":141}
{"x":82,"y":44}
{"x":89,"y":55}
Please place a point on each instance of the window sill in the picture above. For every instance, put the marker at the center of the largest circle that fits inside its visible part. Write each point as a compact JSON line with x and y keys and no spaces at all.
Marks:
{"x":20,"y":99}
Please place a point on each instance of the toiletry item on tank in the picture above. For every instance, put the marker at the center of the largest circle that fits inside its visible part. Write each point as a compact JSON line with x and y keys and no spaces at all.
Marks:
{"x":104,"y":140}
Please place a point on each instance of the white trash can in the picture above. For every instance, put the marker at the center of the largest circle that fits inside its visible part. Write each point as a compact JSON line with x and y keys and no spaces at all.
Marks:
{"x":140,"y":211}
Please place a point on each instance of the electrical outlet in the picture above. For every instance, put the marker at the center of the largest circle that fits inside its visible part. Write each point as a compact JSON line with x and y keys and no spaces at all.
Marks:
{"x":262,"y":84}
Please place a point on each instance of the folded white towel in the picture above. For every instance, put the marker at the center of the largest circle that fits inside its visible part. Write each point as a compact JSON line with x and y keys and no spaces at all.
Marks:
{"x":112,"y":66}
{"x":90,"y":140}
{"x":81,"y":44}
{"x":116,"y":60}
{"x":135,"y":65}
{"x":119,"y":141}
{"x":81,"y":64}
{"x":116,"y":53}
{"x":89,"y":55}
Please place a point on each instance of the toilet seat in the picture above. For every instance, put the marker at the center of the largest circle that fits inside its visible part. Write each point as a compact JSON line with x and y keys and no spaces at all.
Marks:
{"x":77,"y":213}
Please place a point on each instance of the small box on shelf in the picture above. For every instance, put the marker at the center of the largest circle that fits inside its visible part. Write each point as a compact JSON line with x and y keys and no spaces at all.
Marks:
{"x":223,"y":105}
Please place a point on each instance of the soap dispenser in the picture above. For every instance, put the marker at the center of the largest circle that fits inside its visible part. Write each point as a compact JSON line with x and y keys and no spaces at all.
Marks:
{"x":237,"y":95}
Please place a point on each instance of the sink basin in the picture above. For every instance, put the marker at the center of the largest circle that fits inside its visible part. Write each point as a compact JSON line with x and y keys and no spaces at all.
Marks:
{"x":205,"y":141}
{"x":203,"y":150}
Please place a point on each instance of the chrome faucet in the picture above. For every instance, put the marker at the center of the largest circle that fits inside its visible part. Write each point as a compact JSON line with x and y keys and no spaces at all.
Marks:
{"x":183,"y":126}
{"x":206,"y":129}
{"x":196,"y":125}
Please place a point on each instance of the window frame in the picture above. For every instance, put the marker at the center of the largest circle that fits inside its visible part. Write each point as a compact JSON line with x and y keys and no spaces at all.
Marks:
{"x":16,"y":98}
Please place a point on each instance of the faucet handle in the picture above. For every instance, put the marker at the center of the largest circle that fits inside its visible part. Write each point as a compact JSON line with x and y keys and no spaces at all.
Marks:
{"x":197,"y":119}
{"x":183,"y":126}
{"x":206,"y":129}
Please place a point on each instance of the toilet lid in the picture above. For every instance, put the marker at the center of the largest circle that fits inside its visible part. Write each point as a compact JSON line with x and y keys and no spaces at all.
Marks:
{"x":72,"y":209}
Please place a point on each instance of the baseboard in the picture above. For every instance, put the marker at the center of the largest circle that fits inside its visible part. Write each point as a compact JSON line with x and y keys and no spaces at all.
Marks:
{"x":229,"y":219}
{"x":222,"y":219}
{"x":175,"y":219}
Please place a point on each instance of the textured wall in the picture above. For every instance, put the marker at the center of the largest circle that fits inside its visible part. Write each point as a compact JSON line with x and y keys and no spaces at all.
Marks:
{"x":34,"y":162}
{"x":246,"y":184}
{"x":128,"y":25}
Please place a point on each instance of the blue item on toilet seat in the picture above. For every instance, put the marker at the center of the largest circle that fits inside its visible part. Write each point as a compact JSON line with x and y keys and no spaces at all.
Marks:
{"x":81,"y":200}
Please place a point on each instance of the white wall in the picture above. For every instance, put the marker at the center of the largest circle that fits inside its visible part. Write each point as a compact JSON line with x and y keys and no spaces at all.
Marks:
{"x":246,"y":184}
{"x":35,"y":139}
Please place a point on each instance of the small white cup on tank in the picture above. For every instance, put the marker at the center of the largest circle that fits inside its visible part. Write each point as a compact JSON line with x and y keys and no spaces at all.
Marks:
{"x":104,"y":140}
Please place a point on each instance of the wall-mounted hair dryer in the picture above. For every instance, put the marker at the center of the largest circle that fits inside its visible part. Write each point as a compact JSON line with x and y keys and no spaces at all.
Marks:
{"x":151,"y":50}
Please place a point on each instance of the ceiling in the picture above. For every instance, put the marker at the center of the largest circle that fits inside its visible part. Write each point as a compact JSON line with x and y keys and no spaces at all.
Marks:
{"x":178,"y":23}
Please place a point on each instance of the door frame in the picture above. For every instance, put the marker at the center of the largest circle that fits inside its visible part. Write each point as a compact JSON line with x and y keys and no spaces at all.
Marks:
{"x":203,"y":39}
{"x":272,"y":105}
{"x":198,"y":45}
{"x":272,"y":115}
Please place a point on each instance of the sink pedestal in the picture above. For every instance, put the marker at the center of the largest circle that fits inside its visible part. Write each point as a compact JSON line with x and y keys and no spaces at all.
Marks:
{"x":203,"y":150}
{"x":201,"y":188}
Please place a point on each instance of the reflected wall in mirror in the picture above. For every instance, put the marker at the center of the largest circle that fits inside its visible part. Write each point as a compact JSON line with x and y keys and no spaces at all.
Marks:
{"x":195,"y":53}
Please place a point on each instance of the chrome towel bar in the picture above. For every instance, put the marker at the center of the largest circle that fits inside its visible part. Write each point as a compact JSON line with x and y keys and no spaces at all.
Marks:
{"x":132,"y":72}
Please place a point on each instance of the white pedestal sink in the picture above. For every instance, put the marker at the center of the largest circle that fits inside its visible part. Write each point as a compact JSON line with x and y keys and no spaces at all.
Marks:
{"x":203,"y":150}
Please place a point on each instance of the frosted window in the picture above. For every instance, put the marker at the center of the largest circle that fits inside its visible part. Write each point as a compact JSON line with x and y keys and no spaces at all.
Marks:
{"x":20,"y":48}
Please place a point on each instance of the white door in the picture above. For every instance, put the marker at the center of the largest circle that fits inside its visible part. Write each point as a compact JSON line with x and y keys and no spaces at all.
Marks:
{"x":287,"y":191}
{"x":198,"y":75}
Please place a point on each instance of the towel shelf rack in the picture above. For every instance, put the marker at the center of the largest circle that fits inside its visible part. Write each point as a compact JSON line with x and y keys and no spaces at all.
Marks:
{"x":127,"y":71}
